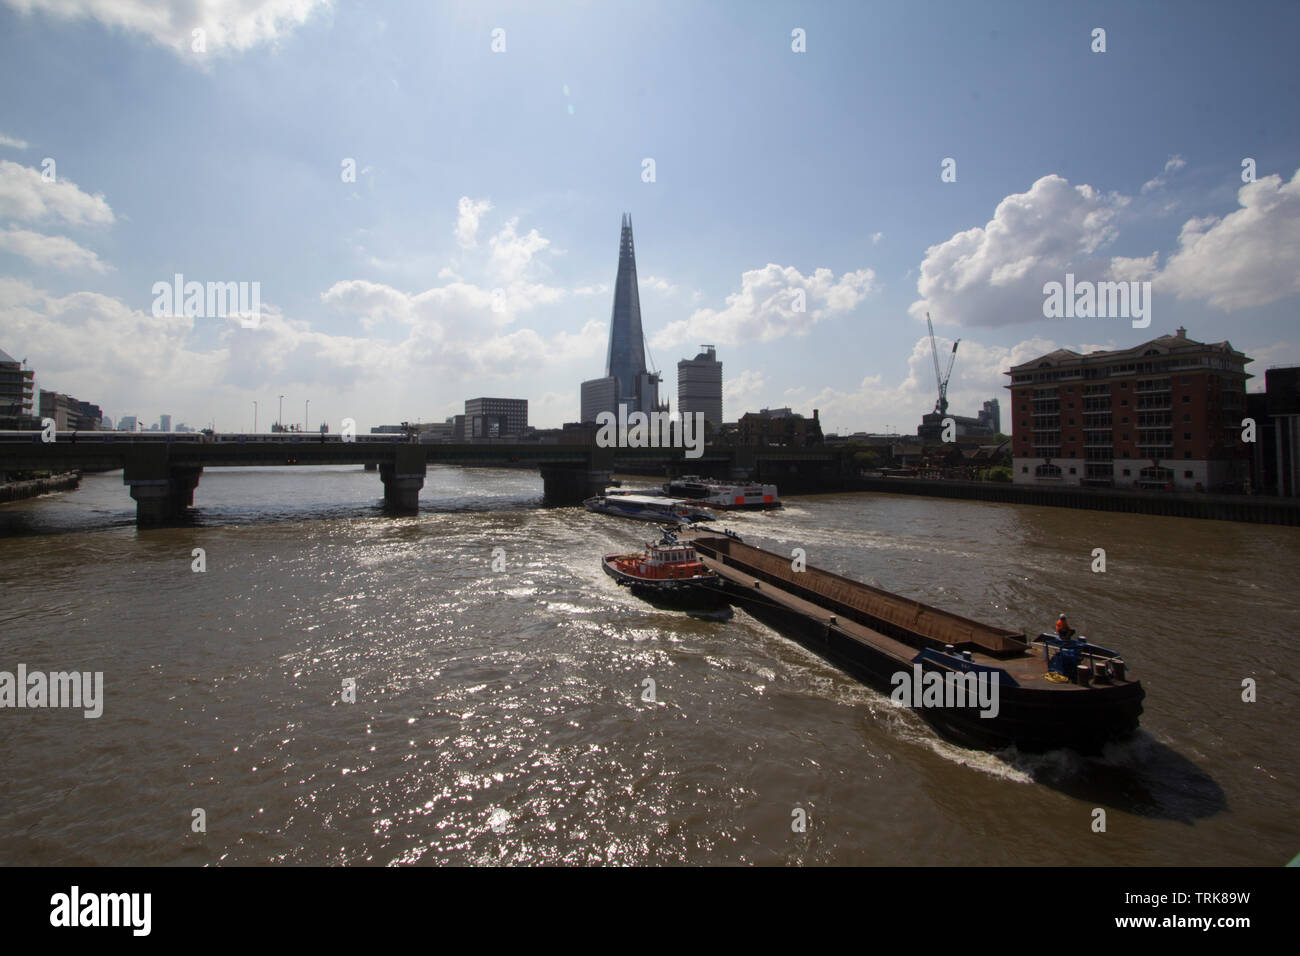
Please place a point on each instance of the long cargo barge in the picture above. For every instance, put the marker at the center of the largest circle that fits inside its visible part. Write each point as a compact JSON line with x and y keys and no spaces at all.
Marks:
{"x":981,"y":685}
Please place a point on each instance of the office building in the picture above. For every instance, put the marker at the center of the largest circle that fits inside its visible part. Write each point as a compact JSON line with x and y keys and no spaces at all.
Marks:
{"x":699,"y":386}
{"x":17,"y":394}
{"x":627,"y":381}
{"x":496,"y":417}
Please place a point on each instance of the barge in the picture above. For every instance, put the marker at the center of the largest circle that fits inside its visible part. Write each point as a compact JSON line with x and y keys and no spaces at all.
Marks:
{"x":980,"y":685}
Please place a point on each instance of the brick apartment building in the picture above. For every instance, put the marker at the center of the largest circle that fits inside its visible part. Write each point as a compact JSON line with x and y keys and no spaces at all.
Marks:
{"x":1163,"y":414}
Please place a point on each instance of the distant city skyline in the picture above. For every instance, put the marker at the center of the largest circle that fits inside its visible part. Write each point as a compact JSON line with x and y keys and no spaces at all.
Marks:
{"x":434,"y":223}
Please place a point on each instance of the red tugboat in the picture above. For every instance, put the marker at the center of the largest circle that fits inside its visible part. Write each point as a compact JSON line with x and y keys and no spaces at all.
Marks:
{"x":669,"y":573}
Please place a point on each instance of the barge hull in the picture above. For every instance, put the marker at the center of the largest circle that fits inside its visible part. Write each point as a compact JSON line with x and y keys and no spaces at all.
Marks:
{"x":1031,"y":726}
{"x":874,"y":635}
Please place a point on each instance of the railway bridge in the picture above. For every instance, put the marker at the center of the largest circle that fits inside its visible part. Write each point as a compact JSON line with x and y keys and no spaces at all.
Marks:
{"x":162,"y":471}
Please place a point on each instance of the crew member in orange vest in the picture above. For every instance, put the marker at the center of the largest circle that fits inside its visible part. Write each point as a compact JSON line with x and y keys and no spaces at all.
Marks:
{"x":1063,"y":629}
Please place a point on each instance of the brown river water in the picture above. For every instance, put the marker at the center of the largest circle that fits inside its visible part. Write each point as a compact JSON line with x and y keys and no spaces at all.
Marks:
{"x":499,"y":715}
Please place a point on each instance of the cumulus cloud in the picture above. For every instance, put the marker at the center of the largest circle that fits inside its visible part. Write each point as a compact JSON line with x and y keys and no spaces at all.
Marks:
{"x":512,"y":253}
{"x":228,"y":25}
{"x":741,"y":393}
{"x":767,"y":306}
{"x":657,"y":283}
{"x":469,"y":211}
{"x":456,"y":325}
{"x":1247,"y":258}
{"x":993,"y":275}
{"x":13,"y":143}
{"x":1172,"y":165}
{"x":24,"y":194}
{"x":57,"y":251}
{"x":876,"y":404}
{"x":144,"y":362}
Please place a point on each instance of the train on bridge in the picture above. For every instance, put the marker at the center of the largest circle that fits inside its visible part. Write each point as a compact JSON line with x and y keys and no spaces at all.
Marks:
{"x":203,"y":437}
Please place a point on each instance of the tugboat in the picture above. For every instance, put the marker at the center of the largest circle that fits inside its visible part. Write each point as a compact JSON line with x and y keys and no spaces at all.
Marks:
{"x":669,"y":573}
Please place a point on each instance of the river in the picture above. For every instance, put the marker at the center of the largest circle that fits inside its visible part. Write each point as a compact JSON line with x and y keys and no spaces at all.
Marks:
{"x":499,"y":715}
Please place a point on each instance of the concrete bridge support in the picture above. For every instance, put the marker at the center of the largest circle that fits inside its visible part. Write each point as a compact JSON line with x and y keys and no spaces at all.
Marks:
{"x":743,"y":464}
{"x":573,"y":484}
{"x":162,"y":491}
{"x":403,"y":478}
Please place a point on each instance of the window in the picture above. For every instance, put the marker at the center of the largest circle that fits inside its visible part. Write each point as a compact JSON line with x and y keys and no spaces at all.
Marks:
{"x":1187,"y":381}
{"x":1126,"y":436}
{"x":1156,"y":475}
{"x":1123,"y":401}
{"x":1123,"y":385}
{"x":1187,"y":474}
{"x":1187,"y":418}
{"x":1048,"y":471}
{"x":1072,"y":455}
{"x":1072,"y":471}
{"x":1127,"y":455}
{"x":1187,"y":399}
{"x":1187,"y":454}
{"x":1187,"y":436}
{"x":1071,"y":421}
{"x":1024,"y":469}
{"x":1124,"y":420}
{"x":1126,"y":472}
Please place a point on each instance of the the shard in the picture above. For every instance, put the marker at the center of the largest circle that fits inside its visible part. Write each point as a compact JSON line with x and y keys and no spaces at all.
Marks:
{"x":627,"y":380}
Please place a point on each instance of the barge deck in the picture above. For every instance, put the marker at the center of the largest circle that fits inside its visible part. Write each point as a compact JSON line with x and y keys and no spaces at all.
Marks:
{"x":877,"y":635}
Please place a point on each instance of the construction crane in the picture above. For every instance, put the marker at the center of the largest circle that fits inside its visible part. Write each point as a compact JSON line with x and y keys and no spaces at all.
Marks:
{"x":941,"y":406}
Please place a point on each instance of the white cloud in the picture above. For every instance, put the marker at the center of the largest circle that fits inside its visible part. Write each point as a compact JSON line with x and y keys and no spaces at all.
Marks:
{"x":25,"y":195}
{"x":742,"y":393}
{"x":456,"y":325}
{"x":1249,"y":257}
{"x":994,"y":275}
{"x":57,"y":251}
{"x":228,"y":24}
{"x":978,"y":375}
{"x":13,"y":143}
{"x":1172,"y":165}
{"x":512,"y":253}
{"x":469,"y":212}
{"x":598,"y":289}
{"x":657,"y":283}
{"x":764,"y":308}
{"x":876,"y":237}
{"x":143,"y":364}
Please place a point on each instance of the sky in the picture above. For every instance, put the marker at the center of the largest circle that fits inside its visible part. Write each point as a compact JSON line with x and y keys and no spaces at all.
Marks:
{"x":428,"y":196}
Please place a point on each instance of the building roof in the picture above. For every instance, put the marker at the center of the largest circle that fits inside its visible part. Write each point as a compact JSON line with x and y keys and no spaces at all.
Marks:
{"x":7,"y":358}
{"x":1161,"y":345}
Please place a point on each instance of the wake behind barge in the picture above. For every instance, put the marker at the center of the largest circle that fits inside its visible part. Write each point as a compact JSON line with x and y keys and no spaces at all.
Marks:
{"x":1050,"y":693}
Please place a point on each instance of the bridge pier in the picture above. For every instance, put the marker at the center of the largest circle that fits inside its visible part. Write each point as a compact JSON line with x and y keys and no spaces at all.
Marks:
{"x":162,"y":492}
{"x":403,"y":478}
{"x":573,"y":484}
{"x":743,"y":465}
